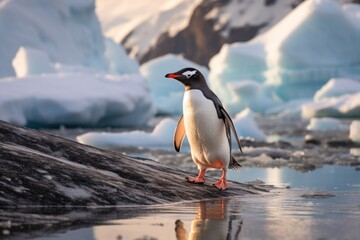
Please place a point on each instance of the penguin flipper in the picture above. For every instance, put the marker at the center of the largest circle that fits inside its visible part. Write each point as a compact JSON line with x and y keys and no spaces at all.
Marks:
{"x":230,"y":123}
{"x":233,"y":163}
{"x":179,"y":134}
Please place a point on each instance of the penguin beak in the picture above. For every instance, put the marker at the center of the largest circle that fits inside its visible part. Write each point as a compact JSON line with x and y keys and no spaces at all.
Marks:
{"x":173,"y":75}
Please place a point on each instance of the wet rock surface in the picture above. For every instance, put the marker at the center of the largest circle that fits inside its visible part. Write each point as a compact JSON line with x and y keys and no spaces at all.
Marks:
{"x":40,"y":169}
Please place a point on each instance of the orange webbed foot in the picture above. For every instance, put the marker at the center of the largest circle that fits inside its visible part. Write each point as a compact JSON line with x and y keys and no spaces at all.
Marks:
{"x":195,"y":180}
{"x":221,"y":184}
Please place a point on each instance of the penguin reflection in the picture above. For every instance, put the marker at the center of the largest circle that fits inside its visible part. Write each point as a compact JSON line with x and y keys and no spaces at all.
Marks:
{"x":211,"y":222}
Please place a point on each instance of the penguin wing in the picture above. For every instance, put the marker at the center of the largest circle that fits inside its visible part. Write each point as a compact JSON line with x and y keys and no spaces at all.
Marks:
{"x":229,"y":124}
{"x":179,"y":134}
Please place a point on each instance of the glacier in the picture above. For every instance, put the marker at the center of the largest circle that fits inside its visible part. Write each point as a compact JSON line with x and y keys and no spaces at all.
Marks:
{"x":315,"y":42}
{"x":58,"y":69}
{"x":167,"y":94}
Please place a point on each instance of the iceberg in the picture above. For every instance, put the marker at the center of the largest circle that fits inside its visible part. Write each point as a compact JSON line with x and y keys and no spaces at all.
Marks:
{"x":336,"y":87}
{"x":68,"y":31}
{"x":355,"y":131}
{"x":247,"y":127}
{"x":326,"y":124}
{"x":75,"y":99}
{"x":67,"y":73}
{"x":119,"y":62}
{"x":345,"y":106}
{"x":161,"y":136}
{"x":339,"y":97}
{"x":167,"y":94}
{"x":250,"y":94}
{"x":315,"y":42}
{"x":30,"y":61}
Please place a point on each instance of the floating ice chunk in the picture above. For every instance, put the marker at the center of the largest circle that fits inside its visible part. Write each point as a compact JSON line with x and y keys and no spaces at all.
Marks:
{"x":249,"y":94}
{"x":247,"y":127}
{"x":119,"y":62}
{"x":167,"y":93}
{"x":161,"y":136}
{"x":75,"y":99}
{"x":355,"y":131}
{"x":326,"y":124}
{"x":342,"y":106}
{"x":336,"y":87}
{"x":289,"y":109}
{"x":30,"y":61}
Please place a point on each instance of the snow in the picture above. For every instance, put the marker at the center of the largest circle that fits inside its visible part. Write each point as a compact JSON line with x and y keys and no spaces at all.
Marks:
{"x":166,"y":93}
{"x":317,"y":41}
{"x":129,"y":19}
{"x":75,"y":99}
{"x":30,"y":61}
{"x":68,"y":31}
{"x":326,"y":124}
{"x":337,"y":87}
{"x":253,"y":13}
{"x":355,"y":131}
{"x":247,"y":127}
{"x":161,"y":136}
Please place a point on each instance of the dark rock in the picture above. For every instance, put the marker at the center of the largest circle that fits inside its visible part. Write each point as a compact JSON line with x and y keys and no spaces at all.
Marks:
{"x":41,"y":169}
{"x":318,"y":195}
{"x":341,"y":143}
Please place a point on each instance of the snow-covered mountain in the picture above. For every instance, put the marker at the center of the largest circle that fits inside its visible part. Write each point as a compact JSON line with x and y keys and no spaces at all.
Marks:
{"x":195,"y":29}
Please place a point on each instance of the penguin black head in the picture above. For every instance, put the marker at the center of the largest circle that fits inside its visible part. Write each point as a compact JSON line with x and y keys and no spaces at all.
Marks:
{"x":190,"y":77}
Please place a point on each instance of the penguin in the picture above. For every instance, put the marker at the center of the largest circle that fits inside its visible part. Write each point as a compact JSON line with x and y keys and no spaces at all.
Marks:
{"x":207,"y":126}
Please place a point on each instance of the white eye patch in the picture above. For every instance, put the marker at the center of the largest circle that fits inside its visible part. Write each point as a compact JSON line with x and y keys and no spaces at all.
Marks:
{"x":189,"y":74}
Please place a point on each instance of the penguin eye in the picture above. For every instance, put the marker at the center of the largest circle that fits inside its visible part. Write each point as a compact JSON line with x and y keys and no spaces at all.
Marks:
{"x":190,"y":74}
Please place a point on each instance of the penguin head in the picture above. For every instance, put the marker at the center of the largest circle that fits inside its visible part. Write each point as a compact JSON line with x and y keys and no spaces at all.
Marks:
{"x":190,"y":77}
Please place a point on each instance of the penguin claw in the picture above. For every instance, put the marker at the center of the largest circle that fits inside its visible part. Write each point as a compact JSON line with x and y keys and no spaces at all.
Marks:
{"x":195,"y":180}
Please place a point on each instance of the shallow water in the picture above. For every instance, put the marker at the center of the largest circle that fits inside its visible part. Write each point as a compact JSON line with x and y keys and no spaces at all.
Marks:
{"x":284,"y":213}
{"x":319,"y":204}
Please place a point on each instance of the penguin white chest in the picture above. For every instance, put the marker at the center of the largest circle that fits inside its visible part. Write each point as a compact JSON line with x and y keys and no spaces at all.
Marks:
{"x":205,"y":131}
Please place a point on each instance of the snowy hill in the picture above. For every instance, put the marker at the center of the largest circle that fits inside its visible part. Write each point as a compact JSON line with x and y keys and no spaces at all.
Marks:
{"x":195,"y":29}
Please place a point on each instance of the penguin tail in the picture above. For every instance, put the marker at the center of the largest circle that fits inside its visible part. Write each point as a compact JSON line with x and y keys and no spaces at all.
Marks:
{"x":234,"y":164}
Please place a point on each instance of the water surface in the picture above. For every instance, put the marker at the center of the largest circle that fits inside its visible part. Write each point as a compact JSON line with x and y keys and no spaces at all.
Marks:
{"x":284,"y":213}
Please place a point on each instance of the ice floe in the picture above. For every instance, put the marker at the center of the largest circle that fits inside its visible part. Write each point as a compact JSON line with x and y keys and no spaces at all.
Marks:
{"x":355,"y":131}
{"x":326,"y":124}
{"x":161,"y":136}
